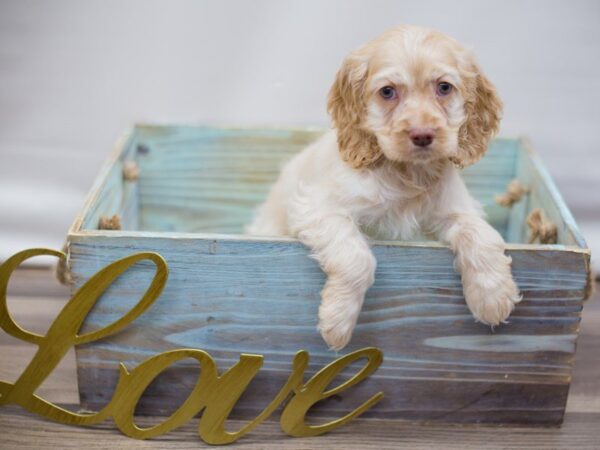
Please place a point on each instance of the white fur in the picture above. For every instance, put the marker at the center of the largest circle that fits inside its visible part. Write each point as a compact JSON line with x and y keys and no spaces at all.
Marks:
{"x":334,"y":208}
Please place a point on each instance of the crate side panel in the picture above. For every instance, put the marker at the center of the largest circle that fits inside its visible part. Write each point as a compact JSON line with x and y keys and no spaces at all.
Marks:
{"x":516,"y":230}
{"x":116,"y":196}
{"x":490,"y":176}
{"x":108,"y":200}
{"x":207,"y":179}
{"x":541,"y":194}
{"x":544,"y":195}
{"x":212,"y":180}
{"x":232,"y":297}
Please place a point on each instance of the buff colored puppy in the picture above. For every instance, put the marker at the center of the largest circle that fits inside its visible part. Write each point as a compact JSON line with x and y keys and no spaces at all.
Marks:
{"x":409,"y":108}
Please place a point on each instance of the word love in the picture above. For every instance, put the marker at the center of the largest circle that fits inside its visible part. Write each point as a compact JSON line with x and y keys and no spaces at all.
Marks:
{"x":214,"y":395}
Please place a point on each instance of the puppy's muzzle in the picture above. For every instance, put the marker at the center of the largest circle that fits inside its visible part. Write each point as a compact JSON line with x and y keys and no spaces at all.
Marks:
{"x":421,"y":137}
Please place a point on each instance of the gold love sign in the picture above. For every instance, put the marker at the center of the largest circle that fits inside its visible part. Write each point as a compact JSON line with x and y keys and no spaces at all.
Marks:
{"x":213,"y":395}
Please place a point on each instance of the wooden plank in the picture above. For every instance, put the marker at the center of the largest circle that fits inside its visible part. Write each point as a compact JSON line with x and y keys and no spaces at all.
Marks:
{"x":546,"y":196}
{"x":21,"y":430}
{"x":439,"y":364}
{"x":108,"y":202}
{"x":580,"y":431}
{"x":211,"y":180}
{"x":517,"y":221}
{"x":542,"y":194}
{"x":83,"y":217}
{"x":224,"y":288}
{"x":110,"y":194}
{"x":197,"y":179}
{"x":129,"y":208}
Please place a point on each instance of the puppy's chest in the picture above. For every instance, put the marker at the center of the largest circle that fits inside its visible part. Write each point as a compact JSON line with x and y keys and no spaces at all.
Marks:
{"x":393,"y":217}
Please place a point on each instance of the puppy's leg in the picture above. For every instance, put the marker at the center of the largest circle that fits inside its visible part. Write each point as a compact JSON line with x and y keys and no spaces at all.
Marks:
{"x":270,"y":218}
{"x":488,"y":285}
{"x":344,"y":255}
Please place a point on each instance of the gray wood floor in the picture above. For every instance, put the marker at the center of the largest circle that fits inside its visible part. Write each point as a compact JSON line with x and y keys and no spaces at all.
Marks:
{"x":34,"y":300}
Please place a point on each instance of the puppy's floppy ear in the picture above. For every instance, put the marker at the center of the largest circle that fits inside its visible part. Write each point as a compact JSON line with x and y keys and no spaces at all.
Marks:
{"x":347,"y":106}
{"x":483,"y":110}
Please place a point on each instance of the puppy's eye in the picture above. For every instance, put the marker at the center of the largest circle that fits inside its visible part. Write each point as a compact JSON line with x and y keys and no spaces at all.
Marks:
{"x":387,"y":92}
{"x":444,"y":88}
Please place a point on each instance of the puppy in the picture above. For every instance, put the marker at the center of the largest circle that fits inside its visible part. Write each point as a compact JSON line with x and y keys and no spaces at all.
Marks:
{"x":409,"y":108}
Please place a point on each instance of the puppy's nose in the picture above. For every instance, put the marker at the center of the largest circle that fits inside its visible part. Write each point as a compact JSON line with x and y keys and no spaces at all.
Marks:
{"x":421,"y":137}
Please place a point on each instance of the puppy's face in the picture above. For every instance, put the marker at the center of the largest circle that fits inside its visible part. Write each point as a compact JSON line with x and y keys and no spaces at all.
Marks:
{"x":413,"y":95}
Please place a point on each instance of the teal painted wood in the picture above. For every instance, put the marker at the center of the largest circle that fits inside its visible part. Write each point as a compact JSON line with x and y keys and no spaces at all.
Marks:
{"x":517,"y":228}
{"x":109,"y":200}
{"x":235,"y":296}
{"x":208,"y":180}
{"x":545,"y":195}
{"x":223,"y":182}
{"x":130,"y":205}
{"x":228,"y":293}
{"x":111,"y":194}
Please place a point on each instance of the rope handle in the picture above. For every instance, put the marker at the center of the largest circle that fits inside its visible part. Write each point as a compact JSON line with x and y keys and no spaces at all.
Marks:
{"x":515,"y":190}
{"x":63,"y":271}
{"x":541,"y":228}
{"x":109,"y":223}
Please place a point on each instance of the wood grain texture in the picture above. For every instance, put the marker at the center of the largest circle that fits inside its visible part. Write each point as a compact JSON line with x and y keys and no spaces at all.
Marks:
{"x":580,"y":431}
{"x":229,"y":297}
{"x":196,"y":179}
{"x":544,"y":195}
{"x":212,"y":181}
{"x":230,"y":293}
{"x":20,"y":430}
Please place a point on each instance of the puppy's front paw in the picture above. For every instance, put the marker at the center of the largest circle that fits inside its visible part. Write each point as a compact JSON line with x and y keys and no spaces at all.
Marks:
{"x":337,"y":315}
{"x":491,"y":297}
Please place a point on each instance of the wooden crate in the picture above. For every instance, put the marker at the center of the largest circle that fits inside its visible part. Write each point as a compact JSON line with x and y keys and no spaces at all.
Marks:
{"x":229,"y":293}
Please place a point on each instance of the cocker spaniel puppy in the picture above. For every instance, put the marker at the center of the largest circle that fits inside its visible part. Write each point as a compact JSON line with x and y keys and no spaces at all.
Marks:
{"x":409,"y":109}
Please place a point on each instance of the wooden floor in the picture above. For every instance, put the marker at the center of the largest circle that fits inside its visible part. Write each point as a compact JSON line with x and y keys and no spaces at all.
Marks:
{"x":34,"y":300}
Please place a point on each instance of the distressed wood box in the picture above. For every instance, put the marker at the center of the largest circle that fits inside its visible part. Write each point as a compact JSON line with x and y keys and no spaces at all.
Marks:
{"x":229,"y":293}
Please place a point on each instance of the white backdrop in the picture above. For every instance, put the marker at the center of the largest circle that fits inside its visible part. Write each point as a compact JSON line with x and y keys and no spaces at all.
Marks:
{"x":74,"y":74}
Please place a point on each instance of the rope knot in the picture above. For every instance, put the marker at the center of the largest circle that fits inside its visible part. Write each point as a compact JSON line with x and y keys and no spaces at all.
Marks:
{"x":541,"y":228}
{"x":110,"y":223}
{"x":514,"y":192}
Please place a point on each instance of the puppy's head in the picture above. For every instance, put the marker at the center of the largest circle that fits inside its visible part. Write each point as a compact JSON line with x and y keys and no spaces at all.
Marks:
{"x":413,"y":95}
